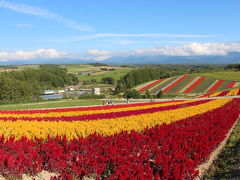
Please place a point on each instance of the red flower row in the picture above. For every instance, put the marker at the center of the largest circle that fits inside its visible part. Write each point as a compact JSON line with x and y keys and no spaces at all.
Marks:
{"x":230,"y":85}
{"x":82,"y":108}
{"x":110,"y":115}
{"x":215,"y":86}
{"x":164,"y":152}
{"x":174,"y":84}
{"x":150,"y":85}
{"x":190,"y":88}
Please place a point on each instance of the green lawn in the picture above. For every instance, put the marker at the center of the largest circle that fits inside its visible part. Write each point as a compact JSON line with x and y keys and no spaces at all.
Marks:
{"x":52,"y":104}
{"x":58,"y":104}
{"x":224,"y":75}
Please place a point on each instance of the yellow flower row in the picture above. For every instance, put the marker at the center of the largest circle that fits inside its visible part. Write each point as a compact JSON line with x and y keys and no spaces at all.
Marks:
{"x":214,"y":94}
{"x":74,"y":129}
{"x":77,"y":113}
{"x":232,"y":92}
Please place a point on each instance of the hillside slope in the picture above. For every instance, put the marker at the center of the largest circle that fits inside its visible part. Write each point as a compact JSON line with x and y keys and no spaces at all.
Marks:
{"x":191,"y":84}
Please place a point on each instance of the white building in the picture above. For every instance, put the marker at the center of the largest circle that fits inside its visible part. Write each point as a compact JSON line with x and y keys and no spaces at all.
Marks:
{"x":96,"y":91}
{"x":61,"y":91}
{"x":49,"y":92}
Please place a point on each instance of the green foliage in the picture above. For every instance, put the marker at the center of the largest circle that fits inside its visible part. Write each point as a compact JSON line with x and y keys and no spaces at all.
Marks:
{"x":26,"y":85}
{"x":98,"y":64}
{"x":132,"y":94}
{"x":108,"y":80}
{"x":147,"y":94}
{"x":8,"y":67}
{"x":139,"y":76}
{"x":49,"y":66}
{"x":233,"y":66}
{"x":159,"y":94}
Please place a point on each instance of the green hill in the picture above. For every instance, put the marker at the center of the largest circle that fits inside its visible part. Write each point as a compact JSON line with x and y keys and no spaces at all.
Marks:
{"x":189,"y":84}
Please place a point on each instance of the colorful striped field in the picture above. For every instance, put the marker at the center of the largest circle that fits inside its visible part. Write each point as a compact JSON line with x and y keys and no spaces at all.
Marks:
{"x":158,"y":140}
{"x":232,"y":92}
{"x":187,"y":84}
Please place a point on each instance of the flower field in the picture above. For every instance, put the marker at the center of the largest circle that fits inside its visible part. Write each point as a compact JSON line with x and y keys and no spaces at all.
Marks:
{"x":158,"y":140}
{"x":232,"y":92}
{"x":187,"y":84}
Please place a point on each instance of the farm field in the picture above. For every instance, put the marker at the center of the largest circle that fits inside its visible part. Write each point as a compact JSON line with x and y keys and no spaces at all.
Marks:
{"x":223,"y":75}
{"x":98,"y":75}
{"x":75,"y":68}
{"x":232,"y":92}
{"x":94,"y":72}
{"x":89,"y":71}
{"x":166,"y":140}
{"x":187,"y":84}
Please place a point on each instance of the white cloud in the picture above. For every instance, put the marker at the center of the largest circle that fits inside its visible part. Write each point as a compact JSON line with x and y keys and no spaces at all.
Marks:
{"x":99,"y":54}
{"x":44,"y":13}
{"x":116,"y":35}
{"x":191,"y":49}
{"x":126,"y":42}
{"x":104,"y":35}
{"x":28,"y":55}
{"x":24,"y":25}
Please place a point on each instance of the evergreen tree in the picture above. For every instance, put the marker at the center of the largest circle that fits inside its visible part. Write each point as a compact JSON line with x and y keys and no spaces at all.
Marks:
{"x":131,"y":94}
{"x":147,"y":94}
{"x":159,"y":94}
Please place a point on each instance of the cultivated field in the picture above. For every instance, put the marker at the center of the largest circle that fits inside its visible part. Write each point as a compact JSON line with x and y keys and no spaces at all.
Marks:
{"x":223,"y":75}
{"x":166,"y":140}
{"x":148,"y":140}
{"x":187,"y":84}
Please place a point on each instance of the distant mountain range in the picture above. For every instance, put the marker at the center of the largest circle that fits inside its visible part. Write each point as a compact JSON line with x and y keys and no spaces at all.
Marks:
{"x":233,"y":57}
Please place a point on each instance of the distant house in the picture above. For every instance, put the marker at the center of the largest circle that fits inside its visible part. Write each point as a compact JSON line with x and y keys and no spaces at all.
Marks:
{"x":49,"y":92}
{"x":60,"y":91}
{"x":96,"y":91}
{"x":70,"y":88}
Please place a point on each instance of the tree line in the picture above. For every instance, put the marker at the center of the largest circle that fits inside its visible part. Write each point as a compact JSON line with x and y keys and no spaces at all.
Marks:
{"x":26,"y":85}
{"x":233,"y":67}
{"x":139,"y":76}
{"x":153,"y":72}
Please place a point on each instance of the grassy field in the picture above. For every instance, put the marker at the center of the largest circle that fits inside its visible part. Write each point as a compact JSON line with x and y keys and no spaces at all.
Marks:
{"x":227,"y":164}
{"x":75,"y":68}
{"x":224,"y":75}
{"x":52,"y":104}
{"x":89,"y":71}
{"x":117,"y":74}
{"x":58,"y":104}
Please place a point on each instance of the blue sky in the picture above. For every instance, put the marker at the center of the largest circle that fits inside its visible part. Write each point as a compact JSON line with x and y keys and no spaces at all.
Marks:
{"x":94,"y":29}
